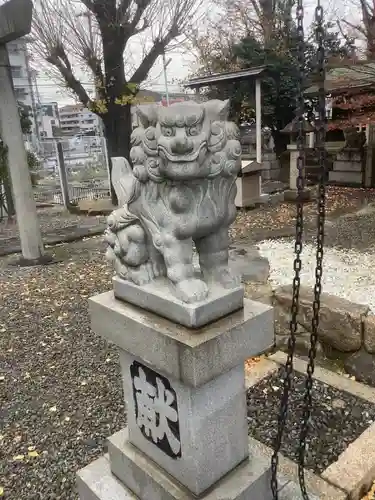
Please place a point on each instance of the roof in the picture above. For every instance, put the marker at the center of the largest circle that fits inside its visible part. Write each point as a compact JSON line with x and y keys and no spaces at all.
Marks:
{"x":293,"y":127}
{"x":243,"y":74}
{"x":71,"y":108}
{"x":150,"y":94}
{"x":360,"y":75}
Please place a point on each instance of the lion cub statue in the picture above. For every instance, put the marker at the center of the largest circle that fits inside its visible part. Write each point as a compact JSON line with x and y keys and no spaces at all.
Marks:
{"x":179,"y":193}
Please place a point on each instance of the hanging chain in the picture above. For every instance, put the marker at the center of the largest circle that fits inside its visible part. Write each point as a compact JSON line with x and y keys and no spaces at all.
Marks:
{"x":320,"y":135}
{"x":287,"y":385}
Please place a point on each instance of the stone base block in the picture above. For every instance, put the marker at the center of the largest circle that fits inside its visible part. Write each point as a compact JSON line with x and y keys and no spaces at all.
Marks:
{"x":200,"y":436}
{"x":250,"y":480}
{"x":157,"y":297}
{"x":347,"y":166}
{"x":292,"y":491}
{"x":192,"y":357}
{"x":345,"y":177}
{"x":96,"y":482}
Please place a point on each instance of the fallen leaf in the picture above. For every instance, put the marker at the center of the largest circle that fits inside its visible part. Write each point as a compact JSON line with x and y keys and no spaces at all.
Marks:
{"x":31,"y":448}
{"x":33,"y":454}
{"x":53,"y":409}
{"x":18,"y":458}
{"x":1,"y":491}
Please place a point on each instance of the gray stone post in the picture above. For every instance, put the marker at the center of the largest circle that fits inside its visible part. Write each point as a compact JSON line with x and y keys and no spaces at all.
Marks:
{"x":12,"y":26}
{"x":62,"y":174}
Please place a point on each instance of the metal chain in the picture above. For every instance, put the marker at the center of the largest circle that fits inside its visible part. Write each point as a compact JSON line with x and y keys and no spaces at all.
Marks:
{"x":320,"y":134}
{"x":297,"y":266}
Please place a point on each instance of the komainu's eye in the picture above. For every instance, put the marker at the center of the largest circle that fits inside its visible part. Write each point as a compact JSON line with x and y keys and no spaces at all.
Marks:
{"x":168,"y":131}
{"x":193,"y":131}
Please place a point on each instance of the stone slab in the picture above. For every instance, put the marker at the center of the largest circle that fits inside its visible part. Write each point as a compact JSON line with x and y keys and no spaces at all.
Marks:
{"x":289,"y":470}
{"x":96,"y":482}
{"x":246,"y":261}
{"x":340,"y":323}
{"x":345,"y":177}
{"x":369,"y":333}
{"x":292,"y":491}
{"x":249,"y":481}
{"x":330,"y":378}
{"x":354,"y":470}
{"x":347,"y":166}
{"x":191,"y":356}
{"x":259,"y":371}
{"x":209,"y":428}
{"x":158,"y":298}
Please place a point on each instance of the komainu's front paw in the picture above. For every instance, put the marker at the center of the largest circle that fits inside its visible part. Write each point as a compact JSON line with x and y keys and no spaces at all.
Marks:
{"x":191,"y":290}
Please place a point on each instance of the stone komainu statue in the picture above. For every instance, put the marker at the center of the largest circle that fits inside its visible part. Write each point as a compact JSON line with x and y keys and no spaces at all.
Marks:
{"x":181,"y":190}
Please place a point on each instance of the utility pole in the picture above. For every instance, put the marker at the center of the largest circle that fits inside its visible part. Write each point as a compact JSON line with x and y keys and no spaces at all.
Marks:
{"x":12,"y":27}
{"x":165,"y":65}
{"x":33,"y":104}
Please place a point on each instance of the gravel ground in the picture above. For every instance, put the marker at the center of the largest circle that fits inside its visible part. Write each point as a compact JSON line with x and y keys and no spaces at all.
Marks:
{"x":60,"y":388}
{"x":349,"y":274}
{"x":337,"y":419}
{"x":258,"y":224}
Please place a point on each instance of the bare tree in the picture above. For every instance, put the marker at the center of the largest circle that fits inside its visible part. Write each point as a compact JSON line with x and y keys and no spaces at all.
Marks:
{"x":102,"y":47}
{"x":258,"y":18}
{"x":263,"y":20}
{"x":365,"y":29}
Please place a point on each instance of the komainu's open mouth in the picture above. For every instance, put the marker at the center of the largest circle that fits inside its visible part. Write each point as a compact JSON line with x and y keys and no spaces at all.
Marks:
{"x":181,"y":158}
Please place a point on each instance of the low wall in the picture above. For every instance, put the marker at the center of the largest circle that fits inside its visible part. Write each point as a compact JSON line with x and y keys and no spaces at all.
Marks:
{"x":346,"y":329}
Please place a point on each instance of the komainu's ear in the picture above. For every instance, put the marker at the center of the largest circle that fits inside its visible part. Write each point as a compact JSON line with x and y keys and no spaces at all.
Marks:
{"x":217,"y":110}
{"x":147,"y":114}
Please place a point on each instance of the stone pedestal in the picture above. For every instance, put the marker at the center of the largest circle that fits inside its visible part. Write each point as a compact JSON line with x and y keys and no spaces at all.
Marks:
{"x":249,"y":185}
{"x":271,"y":166}
{"x":347,"y":168}
{"x":187,"y":431}
{"x":292,"y":194}
{"x":293,"y":168}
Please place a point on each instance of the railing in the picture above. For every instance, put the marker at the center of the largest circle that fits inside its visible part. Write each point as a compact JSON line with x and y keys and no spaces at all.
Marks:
{"x":76,"y":194}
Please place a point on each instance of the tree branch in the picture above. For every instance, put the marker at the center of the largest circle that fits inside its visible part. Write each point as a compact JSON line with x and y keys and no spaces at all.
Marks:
{"x":144,"y":68}
{"x":141,"y":7}
{"x":60,"y":60}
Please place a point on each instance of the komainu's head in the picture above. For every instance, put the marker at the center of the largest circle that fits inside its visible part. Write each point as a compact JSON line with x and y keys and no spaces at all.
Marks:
{"x":186,"y":140}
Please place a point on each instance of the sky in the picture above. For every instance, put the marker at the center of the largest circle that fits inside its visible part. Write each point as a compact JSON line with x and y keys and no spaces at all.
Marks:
{"x":182,"y":62}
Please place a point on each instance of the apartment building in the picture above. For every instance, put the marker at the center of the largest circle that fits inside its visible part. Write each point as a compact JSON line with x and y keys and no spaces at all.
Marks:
{"x":76,"y":119}
{"x":22,"y":76}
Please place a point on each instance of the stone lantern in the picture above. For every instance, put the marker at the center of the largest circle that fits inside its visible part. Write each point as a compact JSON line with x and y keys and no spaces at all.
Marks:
{"x":293,"y":130}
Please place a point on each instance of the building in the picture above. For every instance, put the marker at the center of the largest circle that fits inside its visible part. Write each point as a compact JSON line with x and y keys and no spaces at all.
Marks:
{"x":23,"y":81}
{"x":76,"y":119}
{"x":48,"y":120}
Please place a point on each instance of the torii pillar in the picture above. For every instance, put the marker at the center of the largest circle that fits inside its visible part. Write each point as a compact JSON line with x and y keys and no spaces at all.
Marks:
{"x":15,"y":22}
